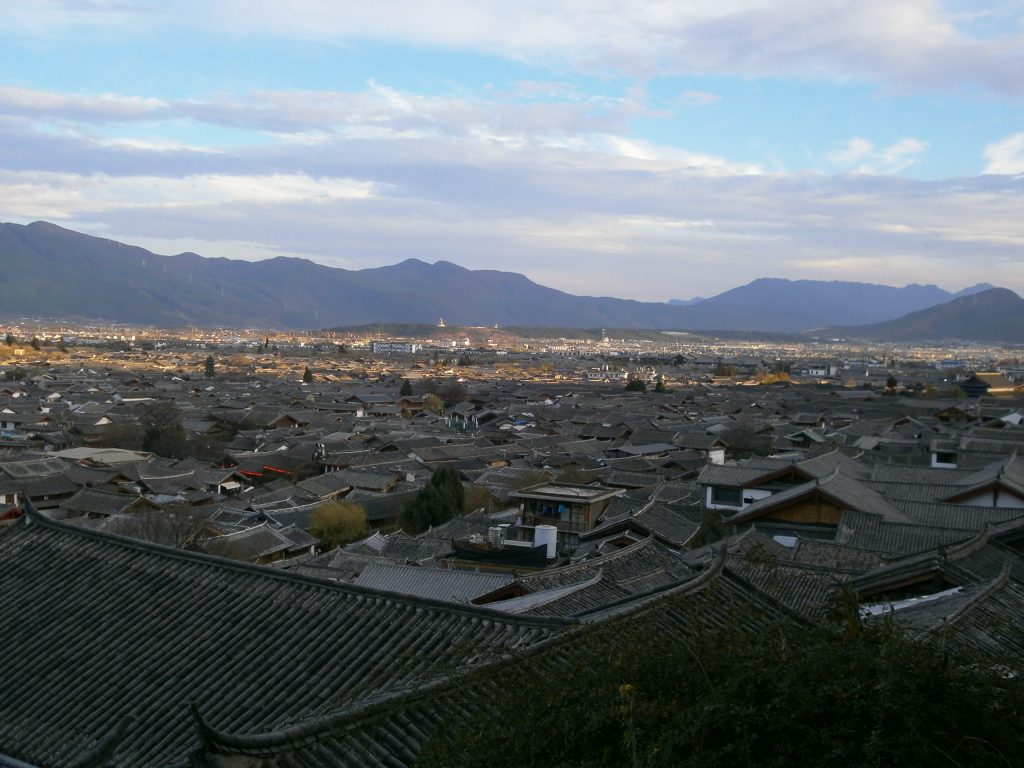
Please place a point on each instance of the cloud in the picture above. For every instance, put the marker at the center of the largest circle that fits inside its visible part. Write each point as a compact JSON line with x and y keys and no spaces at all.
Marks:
{"x":862,"y":156}
{"x":566,"y":218}
{"x":484,"y":128}
{"x":899,"y":156}
{"x":94,"y":107}
{"x":1005,"y":156}
{"x":697,"y":99}
{"x":907,"y":44}
{"x":558,"y":188}
{"x":48,"y":18}
{"x":852,"y":152}
{"x":63,"y":195}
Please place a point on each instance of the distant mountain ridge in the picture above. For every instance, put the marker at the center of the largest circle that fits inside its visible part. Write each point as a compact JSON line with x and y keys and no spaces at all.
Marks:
{"x":685,"y":302}
{"x":993,"y":315}
{"x":801,"y":305}
{"x":46,"y":270}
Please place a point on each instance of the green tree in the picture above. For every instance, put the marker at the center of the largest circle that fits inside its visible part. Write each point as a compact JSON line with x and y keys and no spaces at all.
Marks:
{"x":307,"y":376}
{"x":209,"y":367}
{"x":659,"y":385}
{"x":406,"y":390}
{"x":9,"y":340}
{"x":641,"y":692}
{"x":338,"y":522}
{"x":441,"y":499}
{"x":636,"y":385}
{"x":432,"y":403}
{"x":35,"y":343}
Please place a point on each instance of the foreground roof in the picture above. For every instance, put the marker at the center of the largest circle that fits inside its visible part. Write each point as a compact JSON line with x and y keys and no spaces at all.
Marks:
{"x":108,"y":641}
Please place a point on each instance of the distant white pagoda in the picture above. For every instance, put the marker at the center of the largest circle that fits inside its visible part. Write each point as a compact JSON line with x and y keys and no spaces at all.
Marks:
{"x":440,"y":322}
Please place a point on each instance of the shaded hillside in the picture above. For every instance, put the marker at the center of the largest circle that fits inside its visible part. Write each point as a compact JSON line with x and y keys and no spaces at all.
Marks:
{"x":48,"y":271}
{"x":995,"y":315}
{"x":774,"y":304}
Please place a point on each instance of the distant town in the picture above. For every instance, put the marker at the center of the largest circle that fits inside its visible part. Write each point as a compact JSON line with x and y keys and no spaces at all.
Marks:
{"x":324,"y":521}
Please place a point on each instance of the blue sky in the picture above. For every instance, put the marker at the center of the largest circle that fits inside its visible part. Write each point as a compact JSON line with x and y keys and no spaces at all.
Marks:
{"x":648,"y":150}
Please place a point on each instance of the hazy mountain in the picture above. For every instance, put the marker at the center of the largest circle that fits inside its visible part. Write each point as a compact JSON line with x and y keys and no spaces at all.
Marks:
{"x":978,"y":288}
{"x":993,"y":315}
{"x":799,"y":305}
{"x":46,"y":270}
{"x":685,"y":302}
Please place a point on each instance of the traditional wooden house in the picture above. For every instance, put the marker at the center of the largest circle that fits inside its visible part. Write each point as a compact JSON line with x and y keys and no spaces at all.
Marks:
{"x":572,"y":509}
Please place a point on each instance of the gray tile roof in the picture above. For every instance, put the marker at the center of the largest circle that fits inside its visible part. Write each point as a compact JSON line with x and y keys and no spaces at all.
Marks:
{"x":448,"y":585}
{"x":101,"y":631}
{"x":249,"y":545}
{"x":847,"y":493}
{"x":871,"y":532}
{"x":390,"y":731}
{"x":593,"y":584}
{"x":807,"y":590}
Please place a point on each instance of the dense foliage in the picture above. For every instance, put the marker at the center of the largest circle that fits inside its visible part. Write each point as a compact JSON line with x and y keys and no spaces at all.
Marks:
{"x":337,"y":522}
{"x":441,"y":499}
{"x":863,"y":696}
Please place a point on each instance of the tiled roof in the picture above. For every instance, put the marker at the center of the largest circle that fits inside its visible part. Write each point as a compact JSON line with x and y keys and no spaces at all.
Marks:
{"x":390,"y":732}
{"x":807,"y":590}
{"x":91,"y":501}
{"x":33,"y":468}
{"x":99,"y":631}
{"x":456,"y":586}
{"x":848,"y":493}
{"x":637,"y":569}
{"x":668,"y":524}
{"x":872,"y":532}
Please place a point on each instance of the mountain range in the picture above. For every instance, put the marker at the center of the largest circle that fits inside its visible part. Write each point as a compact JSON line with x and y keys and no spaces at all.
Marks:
{"x":49,"y":271}
{"x":996,"y":314}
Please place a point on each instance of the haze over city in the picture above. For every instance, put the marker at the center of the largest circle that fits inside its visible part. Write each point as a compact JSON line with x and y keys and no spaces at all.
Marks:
{"x":699,"y":147}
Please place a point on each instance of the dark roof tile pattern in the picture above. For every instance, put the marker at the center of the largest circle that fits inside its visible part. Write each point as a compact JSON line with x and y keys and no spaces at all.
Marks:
{"x":871,"y":532}
{"x":634,"y":570}
{"x":808,"y":591}
{"x":391,"y":732}
{"x":98,"y":629}
{"x":449,"y":585}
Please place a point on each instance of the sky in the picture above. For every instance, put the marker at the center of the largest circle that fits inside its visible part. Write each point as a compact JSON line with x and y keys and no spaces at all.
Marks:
{"x":647,"y":150}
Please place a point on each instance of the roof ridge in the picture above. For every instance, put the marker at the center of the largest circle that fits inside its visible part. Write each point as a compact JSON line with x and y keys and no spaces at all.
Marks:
{"x":988,"y":589}
{"x":365,"y":709}
{"x":636,"y":603}
{"x":32,"y":517}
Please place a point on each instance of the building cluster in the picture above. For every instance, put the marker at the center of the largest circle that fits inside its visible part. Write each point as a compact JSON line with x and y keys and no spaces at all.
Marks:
{"x":208,"y":624}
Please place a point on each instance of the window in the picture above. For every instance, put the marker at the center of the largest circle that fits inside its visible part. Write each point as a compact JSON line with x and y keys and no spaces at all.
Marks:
{"x":729,"y":497}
